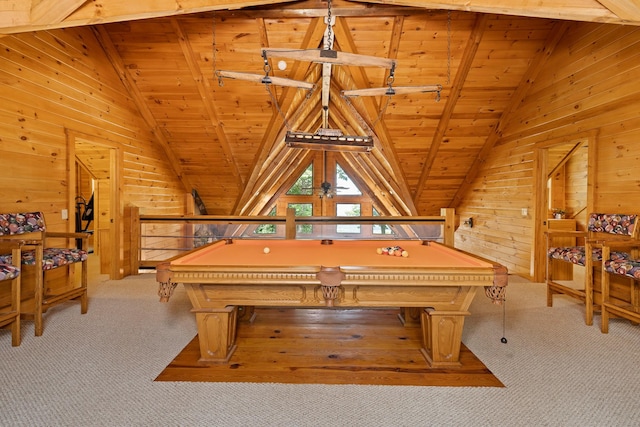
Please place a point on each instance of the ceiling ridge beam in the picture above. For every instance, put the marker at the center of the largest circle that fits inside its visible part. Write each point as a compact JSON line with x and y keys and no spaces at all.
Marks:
{"x":130,"y":86}
{"x":456,"y":88}
{"x":537,"y":65}
{"x":205,"y":91}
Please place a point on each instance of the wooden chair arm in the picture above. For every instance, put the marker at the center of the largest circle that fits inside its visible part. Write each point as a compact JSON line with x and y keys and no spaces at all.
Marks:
{"x":22,"y":242}
{"x":620,"y":244}
{"x":10,"y":244}
{"x":58,"y":234}
{"x":565,"y":233}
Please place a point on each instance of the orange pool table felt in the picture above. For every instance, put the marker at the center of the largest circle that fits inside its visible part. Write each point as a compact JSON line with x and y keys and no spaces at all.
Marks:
{"x":436,"y":281}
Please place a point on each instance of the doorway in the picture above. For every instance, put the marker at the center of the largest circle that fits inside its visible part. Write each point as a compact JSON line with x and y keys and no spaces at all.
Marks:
{"x":95,"y":174}
{"x":564,"y":176}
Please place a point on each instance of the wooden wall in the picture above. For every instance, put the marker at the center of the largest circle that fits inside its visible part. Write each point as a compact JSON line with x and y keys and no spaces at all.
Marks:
{"x":590,"y":88}
{"x":57,"y":83}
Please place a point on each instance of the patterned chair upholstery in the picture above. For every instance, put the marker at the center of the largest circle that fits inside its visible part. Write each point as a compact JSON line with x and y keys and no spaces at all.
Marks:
{"x":29,"y":228}
{"x":623,"y":263}
{"x":10,"y":309}
{"x":600,"y":227}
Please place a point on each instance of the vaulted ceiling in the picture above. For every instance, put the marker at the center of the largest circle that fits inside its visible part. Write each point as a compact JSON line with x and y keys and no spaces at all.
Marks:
{"x":225,"y":137}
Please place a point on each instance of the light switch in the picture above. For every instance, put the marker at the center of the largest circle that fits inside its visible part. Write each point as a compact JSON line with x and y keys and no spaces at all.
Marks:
{"x":65,"y":214}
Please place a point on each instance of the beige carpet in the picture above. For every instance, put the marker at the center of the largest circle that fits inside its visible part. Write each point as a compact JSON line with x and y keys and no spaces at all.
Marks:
{"x":98,"y":369}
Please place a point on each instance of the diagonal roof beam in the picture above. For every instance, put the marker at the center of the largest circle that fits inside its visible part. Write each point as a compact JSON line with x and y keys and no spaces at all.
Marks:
{"x":360,"y":79}
{"x":129,"y":83}
{"x":204,"y":88}
{"x":276,"y":182}
{"x":296,"y":162}
{"x":383,"y":181}
{"x":461,"y":76}
{"x":625,"y":9}
{"x":18,"y":18}
{"x":276,"y":127}
{"x":579,"y":10}
{"x":53,"y":11}
{"x":537,"y":64}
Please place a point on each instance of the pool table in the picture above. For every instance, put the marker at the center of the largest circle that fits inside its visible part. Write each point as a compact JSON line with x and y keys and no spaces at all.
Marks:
{"x":436,"y":281}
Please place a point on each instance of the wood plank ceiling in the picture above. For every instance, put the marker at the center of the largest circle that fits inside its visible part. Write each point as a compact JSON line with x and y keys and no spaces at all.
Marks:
{"x":227,"y":141}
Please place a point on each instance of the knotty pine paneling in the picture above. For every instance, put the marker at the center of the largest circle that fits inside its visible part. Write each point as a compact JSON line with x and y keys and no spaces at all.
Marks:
{"x":589,"y":84}
{"x":54,"y":82}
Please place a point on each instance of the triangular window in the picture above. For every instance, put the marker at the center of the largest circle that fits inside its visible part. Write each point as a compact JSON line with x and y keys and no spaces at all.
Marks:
{"x":304,"y":184}
{"x":344,"y":185}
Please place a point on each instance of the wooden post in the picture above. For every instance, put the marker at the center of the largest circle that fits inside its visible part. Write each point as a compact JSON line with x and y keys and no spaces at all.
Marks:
{"x":449,"y":215}
{"x":132,"y":229}
{"x":290,"y":224}
{"x":188,"y":228}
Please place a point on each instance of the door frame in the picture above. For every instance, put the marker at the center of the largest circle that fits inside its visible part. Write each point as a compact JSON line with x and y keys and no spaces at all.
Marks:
{"x":541,"y":160}
{"x":115,"y":173}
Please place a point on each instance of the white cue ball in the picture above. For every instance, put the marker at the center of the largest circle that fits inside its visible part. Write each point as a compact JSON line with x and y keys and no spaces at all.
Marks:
{"x":267,"y":250}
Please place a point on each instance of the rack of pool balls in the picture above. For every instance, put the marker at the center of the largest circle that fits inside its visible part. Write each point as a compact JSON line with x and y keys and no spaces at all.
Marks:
{"x":393,"y":251}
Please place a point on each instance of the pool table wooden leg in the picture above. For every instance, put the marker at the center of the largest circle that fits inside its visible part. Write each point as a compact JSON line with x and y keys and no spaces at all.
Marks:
{"x":442,"y":337}
{"x":410,"y":316}
{"x":217,"y":333}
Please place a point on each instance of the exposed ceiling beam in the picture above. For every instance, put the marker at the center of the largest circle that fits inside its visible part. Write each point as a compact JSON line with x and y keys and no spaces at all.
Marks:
{"x":577,"y":10}
{"x":625,"y":9}
{"x":204,"y":88}
{"x":372,"y":108}
{"x":382,"y":178}
{"x":53,"y":11}
{"x":276,"y":127}
{"x":24,"y":16}
{"x":456,"y":88}
{"x":127,"y":80}
{"x":276,"y":180}
{"x":537,"y":65}
{"x":297,"y":162}
{"x":17,"y":19}
{"x":360,"y":171}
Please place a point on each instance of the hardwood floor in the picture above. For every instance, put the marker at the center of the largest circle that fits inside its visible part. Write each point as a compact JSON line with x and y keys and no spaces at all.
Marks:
{"x":320,"y":346}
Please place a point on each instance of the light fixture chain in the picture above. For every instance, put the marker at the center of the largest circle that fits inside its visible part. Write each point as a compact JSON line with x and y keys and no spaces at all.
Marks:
{"x":328,"y":44}
{"x":382,"y":111}
{"x":213,"y":43}
{"x":279,"y":109}
{"x":277,"y":104}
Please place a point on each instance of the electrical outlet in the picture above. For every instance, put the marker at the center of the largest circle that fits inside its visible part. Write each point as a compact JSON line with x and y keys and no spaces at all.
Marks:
{"x":65,"y":213}
{"x":525,"y":212}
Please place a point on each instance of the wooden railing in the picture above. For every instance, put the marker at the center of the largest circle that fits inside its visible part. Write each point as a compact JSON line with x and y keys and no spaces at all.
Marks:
{"x":156,"y":238}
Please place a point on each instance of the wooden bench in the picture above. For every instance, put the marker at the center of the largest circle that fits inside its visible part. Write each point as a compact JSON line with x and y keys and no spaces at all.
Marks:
{"x":587,"y":252}
{"x":621,"y":260}
{"x":10,"y":273}
{"x":47,"y":273}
